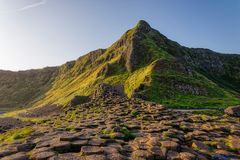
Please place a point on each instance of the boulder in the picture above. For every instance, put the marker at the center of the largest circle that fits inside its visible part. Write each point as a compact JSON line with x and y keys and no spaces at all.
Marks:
{"x":106,"y":90}
{"x":79,"y":100}
{"x":233,"y":111}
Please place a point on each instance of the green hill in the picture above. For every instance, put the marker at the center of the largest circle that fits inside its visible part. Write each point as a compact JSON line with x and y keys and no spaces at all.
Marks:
{"x":24,"y":88}
{"x":147,"y":64}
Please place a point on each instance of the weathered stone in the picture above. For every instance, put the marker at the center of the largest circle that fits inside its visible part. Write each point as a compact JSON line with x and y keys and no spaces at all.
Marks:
{"x":6,"y":153}
{"x":76,"y":145}
{"x":39,"y":150}
{"x":96,"y":157}
{"x":89,"y":150}
{"x":43,"y":144}
{"x":17,"y":156}
{"x":116,"y":156}
{"x":68,"y":156}
{"x":118,"y":135}
{"x":171,"y":145}
{"x":68,"y":137}
{"x":187,"y":156}
{"x":233,"y":111}
{"x":62,"y":147}
{"x":97,"y":142}
{"x":173,"y":155}
{"x":109,"y":150}
{"x":154,"y":141}
{"x":25,"y":147}
{"x":79,"y":100}
{"x":157,"y":152}
{"x":138,"y":154}
{"x":43,"y":155}
{"x":200,"y":146}
{"x":233,"y":142}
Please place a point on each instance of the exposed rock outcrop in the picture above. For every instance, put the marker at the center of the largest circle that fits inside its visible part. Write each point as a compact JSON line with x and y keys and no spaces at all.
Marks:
{"x":106,"y":90}
{"x":79,"y":100}
{"x":233,"y":111}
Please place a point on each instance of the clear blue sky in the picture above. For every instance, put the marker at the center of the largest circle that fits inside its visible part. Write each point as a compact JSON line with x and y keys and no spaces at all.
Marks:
{"x":38,"y":33}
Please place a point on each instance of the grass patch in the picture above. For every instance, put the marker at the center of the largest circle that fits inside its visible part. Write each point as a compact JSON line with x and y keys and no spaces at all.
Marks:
{"x":70,"y":128}
{"x":128,"y":135}
{"x":232,"y":142}
{"x":185,"y":128}
{"x":209,"y":112}
{"x":135,"y":113}
{"x":15,"y":134}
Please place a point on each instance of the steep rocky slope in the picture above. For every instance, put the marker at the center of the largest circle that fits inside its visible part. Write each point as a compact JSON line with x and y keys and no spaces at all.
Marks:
{"x":149,"y":66}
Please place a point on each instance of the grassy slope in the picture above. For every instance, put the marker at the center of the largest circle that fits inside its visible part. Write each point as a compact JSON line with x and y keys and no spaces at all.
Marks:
{"x":163,"y":91}
{"x":21,"y":89}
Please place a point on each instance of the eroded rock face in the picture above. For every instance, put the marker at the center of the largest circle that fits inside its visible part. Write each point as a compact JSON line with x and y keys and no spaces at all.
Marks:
{"x":233,"y":111}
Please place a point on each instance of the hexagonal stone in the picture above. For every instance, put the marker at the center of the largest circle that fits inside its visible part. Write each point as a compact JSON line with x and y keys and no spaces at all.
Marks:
{"x":140,"y":146}
{"x":200,"y":146}
{"x":17,"y":156}
{"x":96,"y":157}
{"x":76,"y":145}
{"x":6,"y":153}
{"x":109,"y":150}
{"x":97,"y":142}
{"x":116,"y":156}
{"x":171,"y":145}
{"x":154,"y":141}
{"x":25,"y":147}
{"x":139,"y":154}
{"x":187,"y":156}
{"x":39,"y":150}
{"x":134,"y":126}
{"x":62,"y":147}
{"x":173,"y":155}
{"x":43,"y":155}
{"x":43,"y":144}
{"x":89,"y":150}
{"x":157,"y":152}
{"x":118,"y":135}
{"x":67,"y":156}
{"x":127,"y":148}
{"x":68,"y":137}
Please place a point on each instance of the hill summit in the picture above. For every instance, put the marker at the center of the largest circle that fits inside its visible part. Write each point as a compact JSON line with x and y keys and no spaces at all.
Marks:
{"x":145,"y":63}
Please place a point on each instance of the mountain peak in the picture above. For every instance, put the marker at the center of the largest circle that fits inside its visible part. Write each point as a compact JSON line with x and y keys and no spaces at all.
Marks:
{"x":143,"y":26}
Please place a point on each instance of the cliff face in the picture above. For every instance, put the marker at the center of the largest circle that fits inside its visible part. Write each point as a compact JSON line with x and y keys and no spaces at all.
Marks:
{"x":148,"y":65}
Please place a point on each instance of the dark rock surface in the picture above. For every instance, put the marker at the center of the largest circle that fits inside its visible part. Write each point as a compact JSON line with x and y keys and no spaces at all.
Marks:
{"x":79,"y":100}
